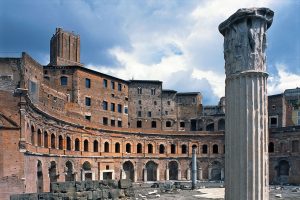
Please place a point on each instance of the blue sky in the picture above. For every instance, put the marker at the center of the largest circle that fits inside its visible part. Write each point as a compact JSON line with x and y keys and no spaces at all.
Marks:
{"x":174,"y":41}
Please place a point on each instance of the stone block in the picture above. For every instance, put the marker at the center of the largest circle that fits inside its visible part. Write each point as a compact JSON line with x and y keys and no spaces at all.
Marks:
{"x":87,"y":194}
{"x":54,"y":187}
{"x":97,"y":195}
{"x":114,"y":194}
{"x":89,"y":185}
{"x":67,"y":187}
{"x":129,"y":192}
{"x":80,"y":186}
{"x":125,"y":183}
{"x":105,"y":193}
{"x":112,"y":184}
{"x":24,"y":197}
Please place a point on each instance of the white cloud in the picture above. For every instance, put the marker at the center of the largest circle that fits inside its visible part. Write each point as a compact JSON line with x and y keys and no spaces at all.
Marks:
{"x":192,"y":30}
{"x":282,"y":80}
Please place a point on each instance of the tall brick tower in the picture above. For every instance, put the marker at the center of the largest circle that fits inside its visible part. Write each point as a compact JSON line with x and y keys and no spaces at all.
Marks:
{"x":64,"y":48}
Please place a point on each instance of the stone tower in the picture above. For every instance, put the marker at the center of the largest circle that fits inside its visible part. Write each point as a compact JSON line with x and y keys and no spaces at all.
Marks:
{"x":64,"y":48}
{"x":246,"y":138}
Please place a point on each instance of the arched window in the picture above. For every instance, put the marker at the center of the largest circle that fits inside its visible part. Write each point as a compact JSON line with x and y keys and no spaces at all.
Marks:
{"x":106,"y":147}
{"x":139,"y":148}
{"x":271,"y":147}
{"x":77,"y":144}
{"x":46,"y":139}
{"x":60,"y":142}
{"x":86,"y":145}
{"x":161,"y":149}
{"x":173,"y":148}
{"x":117,"y":147}
{"x":68,"y":143}
{"x":96,"y":146}
{"x":32,"y":135}
{"x":128,"y":148}
{"x":52,"y":141}
{"x":183,"y":149}
{"x":210,"y":126}
{"x":215,"y":149}
{"x":204,"y":149}
{"x":39,"y":138}
{"x":150,"y":148}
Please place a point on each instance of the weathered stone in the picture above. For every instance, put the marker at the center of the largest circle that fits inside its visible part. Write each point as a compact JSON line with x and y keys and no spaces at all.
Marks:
{"x":246,"y":160}
{"x":114,"y":194}
{"x":125,"y":183}
{"x":80,"y":186}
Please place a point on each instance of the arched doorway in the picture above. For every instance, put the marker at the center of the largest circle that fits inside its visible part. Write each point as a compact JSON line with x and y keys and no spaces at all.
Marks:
{"x":173,"y":170}
{"x":216,"y":170}
{"x":52,"y":172}
{"x":40,"y":182}
{"x":129,"y":170}
{"x":69,"y":175}
{"x":283,"y":171}
{"x":151,"y":168}
{"x":87,"y":171}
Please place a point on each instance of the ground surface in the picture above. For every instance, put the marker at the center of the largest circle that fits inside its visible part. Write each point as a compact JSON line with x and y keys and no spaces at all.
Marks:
{"x":210,"y":192}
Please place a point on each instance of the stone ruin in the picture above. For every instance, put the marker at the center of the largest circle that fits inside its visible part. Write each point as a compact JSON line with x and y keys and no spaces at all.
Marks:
{"x":84,"y":190}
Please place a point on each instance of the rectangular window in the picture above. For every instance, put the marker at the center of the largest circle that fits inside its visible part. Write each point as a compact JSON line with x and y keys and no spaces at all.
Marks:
{"x":169,"y":103}
{"x":153,"y":124}
{"x":126,"y":110}
{"x":112,"y":122}
{"x":119,"y":123}
{"x":139,"y":124}
{"x":140,"y":102}
{"x":153,"y":91}
{"x":112,"y":84}
{"x":112,"y":107}
{"x":139,"y":113}
{"x":104,"y":83}
{"x":88,"y":83}
{"x":119,"y":108}
{"x":88,"y":117}
{"x":182,"y":125}
{"x":139,"y":90}
{"x":104,"y":105}
{"x":166,"y":112}
{"x":63,"y":81}
{"x":273,"y":121}
{"x":105,"y":120}
{"x":87,"y":101}
{"x":149,"y":114}
{"x":119,"y":87}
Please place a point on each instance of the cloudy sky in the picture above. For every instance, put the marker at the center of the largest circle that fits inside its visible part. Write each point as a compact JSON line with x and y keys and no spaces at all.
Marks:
{"x":174,"y":41}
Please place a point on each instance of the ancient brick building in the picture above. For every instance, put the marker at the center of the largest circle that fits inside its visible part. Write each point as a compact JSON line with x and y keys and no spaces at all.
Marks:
{"x":64,"y":122}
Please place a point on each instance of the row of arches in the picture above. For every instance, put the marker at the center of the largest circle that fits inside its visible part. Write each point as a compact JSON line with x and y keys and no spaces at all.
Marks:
{"x":52,"y":141}
{"x":283,"y":147}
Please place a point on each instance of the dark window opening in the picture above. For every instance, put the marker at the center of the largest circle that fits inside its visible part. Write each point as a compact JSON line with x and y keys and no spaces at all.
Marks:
{"x":149,"y":114}
{"x":204,"y":149}
{"x":86,"y":145}
{"x":104,"y":83}
{"x":183,"y":149}
{"x":128,"y":148}
{"x":150,"y":148}
{"x":120,"y":108}
{"x":139,"y":124}
{"x":77,"y":144}
{"x":60,"y":142}
{"x":139,"y":148}
{"x":271,"y":147}
{"x":112,"y":107}
{"x":119,"y":123}
{"x":119,"y":87}
{"x":153,"y":124}
{"x":88,"y":117}
{"x":112,"y":84}
{"x":106,"y":147}
{"x":112,"y":122}
{"x":161,"y":149}
{"x":105,"y":121}
{"x":173,"y":148}
{"x":182,"y":124}
{"x":63,"y":80}
{"x":104,"y":105}
{"x":88,"y":83}
{"x":68,"y":143}
{"x":168,"y":124}
{"x":215,"y":149}
{"x":87,"y":101}
{"x":117,"y":147}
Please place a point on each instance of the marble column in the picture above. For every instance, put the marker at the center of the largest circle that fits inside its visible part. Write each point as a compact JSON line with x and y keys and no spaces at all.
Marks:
{"x":188,"y":174}
{"x":200,"y":176}
{"x":167,"y":174}
{"x":246,"y":138}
